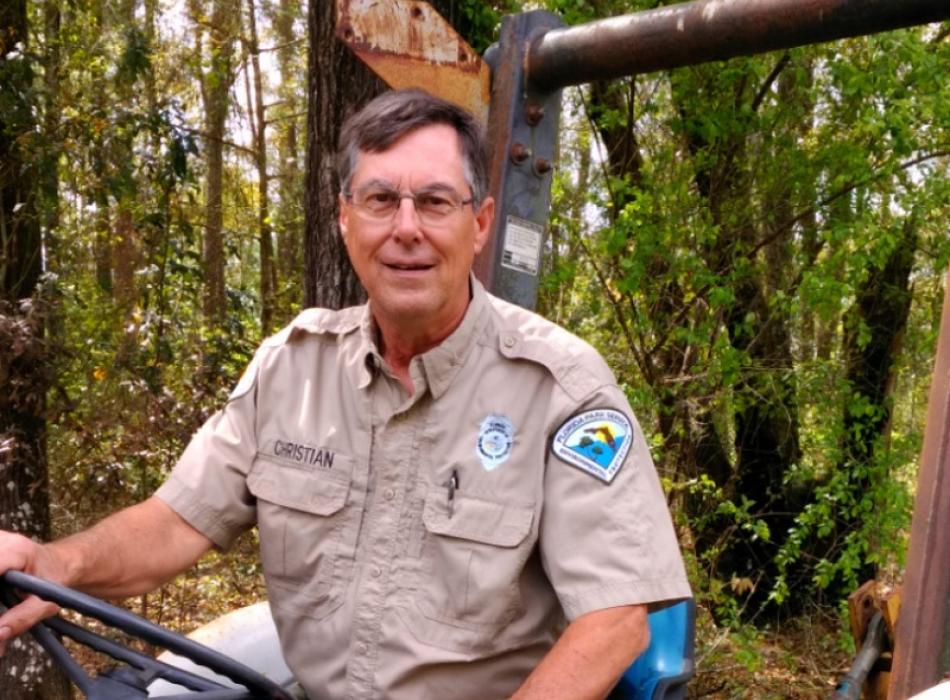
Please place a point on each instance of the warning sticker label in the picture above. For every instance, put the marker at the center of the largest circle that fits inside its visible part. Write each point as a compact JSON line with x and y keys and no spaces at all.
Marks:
{"x":522,"y":249}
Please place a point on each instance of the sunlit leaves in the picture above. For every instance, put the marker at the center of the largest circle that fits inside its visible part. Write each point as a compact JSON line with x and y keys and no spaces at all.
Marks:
{"x":763,"y":213}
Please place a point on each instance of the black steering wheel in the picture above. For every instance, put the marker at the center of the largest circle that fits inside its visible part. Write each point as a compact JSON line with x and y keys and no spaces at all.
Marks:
{"x":131,"y":681}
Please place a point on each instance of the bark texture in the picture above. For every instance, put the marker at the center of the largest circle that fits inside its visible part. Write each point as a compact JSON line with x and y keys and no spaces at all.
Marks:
{"x":338,"y":86}
{"x":268,"y":283}
{"x":215,"y":92}
{"x":289,"y":216}
{"x":24,"y":488}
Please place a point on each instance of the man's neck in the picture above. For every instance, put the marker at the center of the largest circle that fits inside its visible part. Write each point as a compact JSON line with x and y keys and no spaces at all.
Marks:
{"x":399,"y":343}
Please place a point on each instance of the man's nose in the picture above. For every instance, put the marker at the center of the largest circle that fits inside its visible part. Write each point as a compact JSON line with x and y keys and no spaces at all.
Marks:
{"x":406,"y":223}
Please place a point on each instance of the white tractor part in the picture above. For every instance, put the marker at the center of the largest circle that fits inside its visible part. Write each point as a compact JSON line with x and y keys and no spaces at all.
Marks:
{"x":247,"y":635}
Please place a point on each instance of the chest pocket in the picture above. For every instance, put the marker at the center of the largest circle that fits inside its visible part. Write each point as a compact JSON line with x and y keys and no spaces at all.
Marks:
{"x":300,"y":518}
{"x":473,"y":557}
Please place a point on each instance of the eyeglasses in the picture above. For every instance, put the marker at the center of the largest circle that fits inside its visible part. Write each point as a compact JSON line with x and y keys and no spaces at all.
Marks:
{"x":434,"y":206}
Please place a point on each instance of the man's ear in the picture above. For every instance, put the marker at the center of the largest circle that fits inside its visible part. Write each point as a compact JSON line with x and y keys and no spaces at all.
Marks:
{"x":344,"y":218}
{"x":483,"y":220}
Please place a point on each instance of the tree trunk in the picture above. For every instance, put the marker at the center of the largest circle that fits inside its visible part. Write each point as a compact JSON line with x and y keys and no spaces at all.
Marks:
{"x":125,"y":254}
{"x":52,"y":66}
{"x":873,"y":330}
{"x":289,"y":216}
{"x":764,"y":413}
{"x":268,"y":281}
{"x":215,"y":91}
{"x":339,"y":84}
{"x":24,"y":497}
{"x":691,"y":442}
{"x":102,"y":241}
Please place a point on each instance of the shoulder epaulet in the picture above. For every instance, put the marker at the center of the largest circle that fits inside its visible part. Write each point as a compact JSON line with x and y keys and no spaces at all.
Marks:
{"x":574,"y":364}
{"x":319,"y":321}
{"x":309,"y":321}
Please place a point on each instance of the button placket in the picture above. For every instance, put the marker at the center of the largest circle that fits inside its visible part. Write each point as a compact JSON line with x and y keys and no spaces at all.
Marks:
{"x":389,"y":455}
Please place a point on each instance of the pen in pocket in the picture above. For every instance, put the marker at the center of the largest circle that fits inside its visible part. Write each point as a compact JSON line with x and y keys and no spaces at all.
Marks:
{"x":452,"y":485}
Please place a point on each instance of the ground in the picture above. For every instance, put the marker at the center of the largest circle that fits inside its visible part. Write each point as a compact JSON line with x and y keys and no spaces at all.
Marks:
{"x":802,"y":660}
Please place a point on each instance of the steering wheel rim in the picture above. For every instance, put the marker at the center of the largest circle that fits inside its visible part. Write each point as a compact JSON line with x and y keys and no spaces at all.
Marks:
{"x":128,"y":683}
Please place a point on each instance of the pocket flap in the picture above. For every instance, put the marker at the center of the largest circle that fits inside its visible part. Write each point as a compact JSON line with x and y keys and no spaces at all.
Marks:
{"x":477,"y":519}
{"x":312,"y":492}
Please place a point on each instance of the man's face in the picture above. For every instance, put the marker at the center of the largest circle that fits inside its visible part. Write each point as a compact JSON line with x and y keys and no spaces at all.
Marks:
{"x":416,"y":273}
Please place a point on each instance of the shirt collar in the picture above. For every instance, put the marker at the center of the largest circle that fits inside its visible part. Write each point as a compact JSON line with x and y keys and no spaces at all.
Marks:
{"x":370,"y":361}
{"x":443,"y":362}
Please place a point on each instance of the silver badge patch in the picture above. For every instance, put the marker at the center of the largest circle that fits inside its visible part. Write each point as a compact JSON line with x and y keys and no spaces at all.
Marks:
{"x":496,"y":436}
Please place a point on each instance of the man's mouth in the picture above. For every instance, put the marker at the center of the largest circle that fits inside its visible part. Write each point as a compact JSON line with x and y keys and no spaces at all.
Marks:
{"x":409,"y":267}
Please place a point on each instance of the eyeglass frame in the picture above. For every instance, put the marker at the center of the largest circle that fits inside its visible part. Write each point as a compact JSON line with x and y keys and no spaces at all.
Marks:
{"x":348,"y":196}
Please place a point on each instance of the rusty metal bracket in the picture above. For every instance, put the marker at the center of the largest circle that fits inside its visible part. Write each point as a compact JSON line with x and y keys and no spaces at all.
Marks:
{"x":408,"y":44}
{"x":871,"y":668}
{"x":522,"y":136}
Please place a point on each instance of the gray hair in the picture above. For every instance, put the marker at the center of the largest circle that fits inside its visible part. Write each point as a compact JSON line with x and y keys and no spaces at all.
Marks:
{"x":392,"y":115}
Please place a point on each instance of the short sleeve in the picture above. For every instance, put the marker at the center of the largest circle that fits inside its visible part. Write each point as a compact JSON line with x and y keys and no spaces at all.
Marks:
{"x":207,"y":486}
{"x":606,"y":535}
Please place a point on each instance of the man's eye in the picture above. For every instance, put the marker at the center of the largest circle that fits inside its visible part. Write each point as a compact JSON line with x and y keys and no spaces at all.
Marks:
{"x":380,"y":199}
{"x":435,"y":203}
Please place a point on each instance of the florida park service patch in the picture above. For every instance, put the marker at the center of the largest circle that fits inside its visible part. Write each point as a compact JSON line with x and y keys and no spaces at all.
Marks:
{"x":595,"y":441}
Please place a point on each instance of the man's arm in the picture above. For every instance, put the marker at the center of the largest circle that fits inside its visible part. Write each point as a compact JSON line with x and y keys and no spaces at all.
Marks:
{"x":130,"y":552}
{"x":590,"y":656}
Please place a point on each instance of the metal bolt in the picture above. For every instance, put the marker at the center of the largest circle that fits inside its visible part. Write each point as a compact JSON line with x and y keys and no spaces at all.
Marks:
{"x":519,"y":153}
{"x":542,"y":166}
{"x":533,"y":113}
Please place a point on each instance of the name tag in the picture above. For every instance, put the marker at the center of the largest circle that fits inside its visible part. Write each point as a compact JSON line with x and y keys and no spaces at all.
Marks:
{"x":300,"y":453}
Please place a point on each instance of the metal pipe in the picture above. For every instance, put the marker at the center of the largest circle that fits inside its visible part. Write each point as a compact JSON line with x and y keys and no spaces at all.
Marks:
{"x":709,"y":30}
{"x":849,"y":687}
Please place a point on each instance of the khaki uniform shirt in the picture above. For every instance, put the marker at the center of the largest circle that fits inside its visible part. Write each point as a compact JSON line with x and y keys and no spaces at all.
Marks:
{"x":427,"y":547}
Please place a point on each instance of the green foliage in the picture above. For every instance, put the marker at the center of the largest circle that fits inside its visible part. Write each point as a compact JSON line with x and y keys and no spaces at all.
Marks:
{"x":133,"y":358}
{"x":723,"y":279}
{"x":135,"y":60}
{"x":16,"y":96}
{"x":721,"y":276}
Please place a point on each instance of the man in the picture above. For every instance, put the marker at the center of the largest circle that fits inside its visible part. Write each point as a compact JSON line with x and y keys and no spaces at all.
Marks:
{"x":453,"y":498}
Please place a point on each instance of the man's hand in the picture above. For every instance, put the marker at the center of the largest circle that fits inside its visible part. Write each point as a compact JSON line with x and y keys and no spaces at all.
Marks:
{"x":590,"y":656}
{"x":131,"y":552}
{"x":23,"y":554}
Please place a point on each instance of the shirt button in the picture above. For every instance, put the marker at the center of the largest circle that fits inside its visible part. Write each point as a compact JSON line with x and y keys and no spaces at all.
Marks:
{"x":510,"y":341}
{"x":361,"y":649}
{"x":376,"y":572}
{"x":389,"y":494}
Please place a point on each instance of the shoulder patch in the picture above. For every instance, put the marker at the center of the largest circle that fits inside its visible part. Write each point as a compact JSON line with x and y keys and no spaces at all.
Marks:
{"x":596,"y":442}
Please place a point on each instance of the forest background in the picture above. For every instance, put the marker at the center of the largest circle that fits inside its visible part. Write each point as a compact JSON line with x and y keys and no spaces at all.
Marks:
{"x":758,"y":248}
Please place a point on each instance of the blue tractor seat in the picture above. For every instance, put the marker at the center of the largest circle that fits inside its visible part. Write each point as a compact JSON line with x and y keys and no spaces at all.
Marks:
{"x":662,"y":671}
